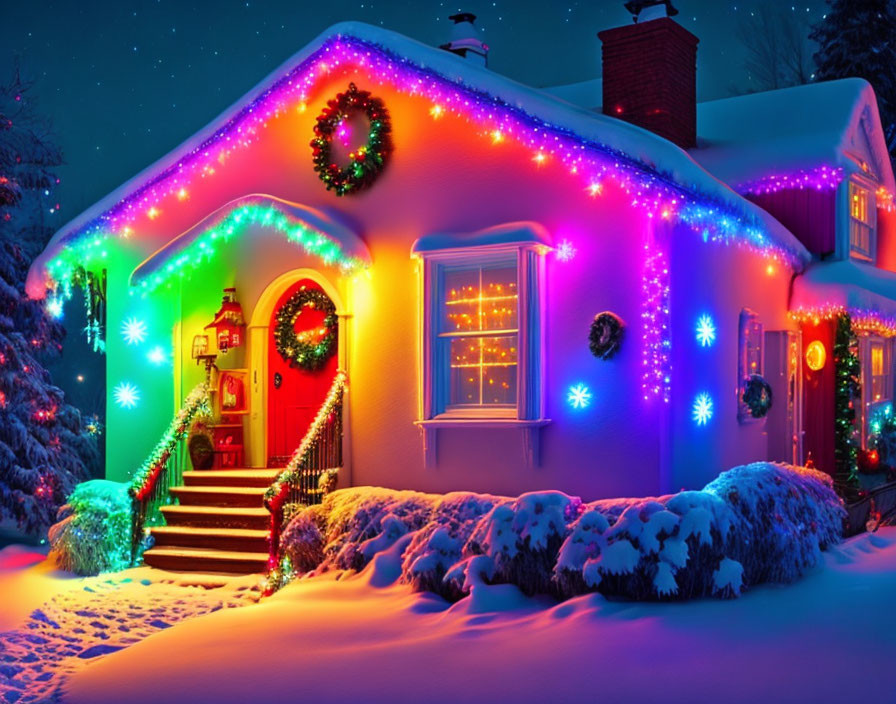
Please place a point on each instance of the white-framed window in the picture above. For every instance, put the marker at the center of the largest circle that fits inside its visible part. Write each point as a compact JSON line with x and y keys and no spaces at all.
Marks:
{"x":482,"y":333}
{"x":862,"y":217}
{"x":876,"y":358}
{"x":749,"y":357}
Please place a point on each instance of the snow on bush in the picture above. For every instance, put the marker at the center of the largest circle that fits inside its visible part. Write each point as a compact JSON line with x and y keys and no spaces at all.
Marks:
{"x":439,"y":545}
{"x":787,"y":516}
{"x":93,"y":534}
{"x":756,"y":523}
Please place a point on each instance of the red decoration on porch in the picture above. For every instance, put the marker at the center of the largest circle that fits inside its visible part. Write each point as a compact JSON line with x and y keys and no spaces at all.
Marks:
{"x":228,"y":323}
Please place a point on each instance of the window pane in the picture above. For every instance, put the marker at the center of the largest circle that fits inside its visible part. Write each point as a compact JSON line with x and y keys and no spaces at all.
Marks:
{"x":483,"y":371}
{"x":480,"y":299}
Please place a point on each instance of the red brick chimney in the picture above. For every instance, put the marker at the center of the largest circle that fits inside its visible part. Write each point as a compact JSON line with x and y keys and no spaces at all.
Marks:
{"x":650,"y":73}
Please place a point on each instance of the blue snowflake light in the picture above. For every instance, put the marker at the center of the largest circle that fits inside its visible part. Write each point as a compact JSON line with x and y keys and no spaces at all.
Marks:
{"x":702,"y":410}
{"x":126,"y":395}
{"x":133,"y":330}
{"x":706,"y":331}
{"x":579,"y":396}
{"x":54,"y":308}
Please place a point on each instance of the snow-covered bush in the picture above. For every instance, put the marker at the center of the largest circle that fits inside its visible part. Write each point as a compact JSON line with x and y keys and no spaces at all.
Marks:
{"x":668,"y":547}
{"x":93,"y":534}
{"x":521,"y":539}
{"x":757,"y":523}
{"x":787,"y":516}
{"x":439,"y":545}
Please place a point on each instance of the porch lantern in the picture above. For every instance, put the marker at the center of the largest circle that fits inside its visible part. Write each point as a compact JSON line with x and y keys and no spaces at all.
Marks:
{"x":228,"y":323}
{"x":200,"y":346}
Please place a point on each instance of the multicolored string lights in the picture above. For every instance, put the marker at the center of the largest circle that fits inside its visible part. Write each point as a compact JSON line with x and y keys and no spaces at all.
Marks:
{"x":593,"y":162}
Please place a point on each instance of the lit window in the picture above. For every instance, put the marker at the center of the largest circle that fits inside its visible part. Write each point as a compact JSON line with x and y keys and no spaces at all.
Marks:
{"x":877,"y":382}
{"x":480,"y":333}
{"x":749,"y":357}
{"x":483,"y":347}
{"x":861,"y":222}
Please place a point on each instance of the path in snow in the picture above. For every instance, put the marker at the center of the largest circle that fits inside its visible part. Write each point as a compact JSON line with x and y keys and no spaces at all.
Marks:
{"x":104,"y":616}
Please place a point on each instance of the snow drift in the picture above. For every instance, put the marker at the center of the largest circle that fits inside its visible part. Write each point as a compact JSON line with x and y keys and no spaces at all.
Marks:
{"x":756,"y":523}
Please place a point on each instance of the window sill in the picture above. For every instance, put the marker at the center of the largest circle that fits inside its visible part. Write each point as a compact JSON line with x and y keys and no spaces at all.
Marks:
{"x":529,"y":430}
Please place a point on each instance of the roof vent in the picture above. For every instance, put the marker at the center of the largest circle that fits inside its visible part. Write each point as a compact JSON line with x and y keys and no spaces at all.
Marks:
{"x":465,"y":39}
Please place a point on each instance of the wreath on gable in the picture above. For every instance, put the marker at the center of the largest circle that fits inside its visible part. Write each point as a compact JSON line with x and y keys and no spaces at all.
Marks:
{"x":605,"y":336}
{"x":367,"y":161}
{"x":757,"y":396}
{"x":306,"y":350}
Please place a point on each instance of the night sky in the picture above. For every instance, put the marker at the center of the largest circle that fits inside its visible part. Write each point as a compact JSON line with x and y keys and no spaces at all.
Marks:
{"x":125,"y":82}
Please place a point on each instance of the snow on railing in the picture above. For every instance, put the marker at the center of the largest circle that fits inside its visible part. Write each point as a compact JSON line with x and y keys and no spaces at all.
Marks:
{"x":312,"y":469}
{"x":164,"y":466}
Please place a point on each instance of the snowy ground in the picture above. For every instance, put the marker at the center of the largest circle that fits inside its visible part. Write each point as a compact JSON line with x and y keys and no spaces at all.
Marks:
{"x":828,"y":638}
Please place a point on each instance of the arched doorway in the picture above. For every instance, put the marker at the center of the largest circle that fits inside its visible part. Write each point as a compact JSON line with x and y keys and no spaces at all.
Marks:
{"x":294,"y":393}
{"x":260,"y":354}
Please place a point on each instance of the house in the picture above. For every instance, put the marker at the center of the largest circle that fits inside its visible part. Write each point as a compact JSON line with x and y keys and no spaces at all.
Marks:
{"x":468,"y":284}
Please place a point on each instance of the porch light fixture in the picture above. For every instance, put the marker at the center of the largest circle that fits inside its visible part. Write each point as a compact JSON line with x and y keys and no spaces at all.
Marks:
{"x":816,"y":355}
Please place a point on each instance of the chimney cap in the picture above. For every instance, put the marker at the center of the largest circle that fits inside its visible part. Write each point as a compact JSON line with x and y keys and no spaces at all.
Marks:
{"x":463,"y":17}
{"x":636,"y":7}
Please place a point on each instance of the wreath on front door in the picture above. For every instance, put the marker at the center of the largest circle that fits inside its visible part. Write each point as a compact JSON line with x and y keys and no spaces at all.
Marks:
{"x":367,"y":161}
{"x":309,"y":349}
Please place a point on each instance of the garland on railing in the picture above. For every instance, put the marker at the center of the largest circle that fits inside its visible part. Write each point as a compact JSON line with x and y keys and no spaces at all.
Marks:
{"x":197,"y":402}
{"x":276,"y":493}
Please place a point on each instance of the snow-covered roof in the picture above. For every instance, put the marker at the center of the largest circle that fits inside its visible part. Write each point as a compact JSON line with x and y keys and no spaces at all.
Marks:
{"x":750,"y":137}
{"x":308,"y":227}
{"x":586,"y":94}
{"x":639,"y":157}
{"x":860,"y":289}
{"x":507,"y":233}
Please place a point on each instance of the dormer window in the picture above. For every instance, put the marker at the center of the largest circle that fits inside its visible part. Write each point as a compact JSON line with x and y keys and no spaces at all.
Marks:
{"x":861,"y":222}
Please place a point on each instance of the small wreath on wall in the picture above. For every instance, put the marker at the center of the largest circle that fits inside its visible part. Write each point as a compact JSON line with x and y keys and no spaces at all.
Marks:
{"x":757,"y":396}
{"x":304,"y":349}
{"x":367,"y":161}
{"x":605,"y":337}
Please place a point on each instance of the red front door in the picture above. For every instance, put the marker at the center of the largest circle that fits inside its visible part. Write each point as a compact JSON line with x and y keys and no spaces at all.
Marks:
{"x":294,"y":394}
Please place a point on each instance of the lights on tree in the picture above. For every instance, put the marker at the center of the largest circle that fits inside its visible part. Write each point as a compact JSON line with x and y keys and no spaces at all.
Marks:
{"x":126,"y":395}
{"x":579,"y":396}
{"x":134,"y":331}
{"x":54,"y":307}
{"x":702,"y":409}
{"x":816,"y":355}
{"x":706,"y":331}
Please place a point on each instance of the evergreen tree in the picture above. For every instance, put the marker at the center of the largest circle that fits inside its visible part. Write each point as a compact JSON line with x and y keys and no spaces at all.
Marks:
{"x":858,"y":38}
{"x":43,"y":445}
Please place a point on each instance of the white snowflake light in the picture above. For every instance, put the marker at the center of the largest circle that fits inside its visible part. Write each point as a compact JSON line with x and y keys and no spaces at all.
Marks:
{"x":706,"y":331}
{"x":133,"y":330}
{"x":579,"y":396}
{"x":565,"y":251}
{"x":702,"y":409}
{"x":126,"y":395}
{"x":156,"y":355}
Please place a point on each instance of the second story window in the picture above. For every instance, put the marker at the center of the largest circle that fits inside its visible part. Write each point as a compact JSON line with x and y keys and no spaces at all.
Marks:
{"x":861,"y":222}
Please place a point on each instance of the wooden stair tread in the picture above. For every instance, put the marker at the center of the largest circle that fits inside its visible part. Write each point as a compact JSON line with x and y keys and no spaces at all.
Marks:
{"x":236,"y":472}
{"x":214,"y":489}
{"x":207,"y":554}
{"x":217,"y":510}
{"x":210,"y":532}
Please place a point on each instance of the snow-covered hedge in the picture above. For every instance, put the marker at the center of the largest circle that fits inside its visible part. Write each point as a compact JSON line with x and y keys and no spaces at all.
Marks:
{"x":93,"y":534}
{"x":757,"y":523}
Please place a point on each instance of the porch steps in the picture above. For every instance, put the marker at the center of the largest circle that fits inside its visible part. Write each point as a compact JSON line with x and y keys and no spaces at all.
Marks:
{"x":202,"y":560}
{"x":237,"y":539}
{"x":218,"y":525}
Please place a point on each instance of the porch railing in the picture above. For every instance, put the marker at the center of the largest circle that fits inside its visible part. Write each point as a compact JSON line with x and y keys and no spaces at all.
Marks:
{"x":164,"y":467}
{"x":312,"y":469}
